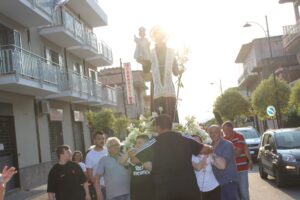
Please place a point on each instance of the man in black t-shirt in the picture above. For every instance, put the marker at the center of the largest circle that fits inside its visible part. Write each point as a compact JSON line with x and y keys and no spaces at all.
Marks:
{"x":173,"y":173}
{"x":66,"y":180}
{"x":141,"y":182}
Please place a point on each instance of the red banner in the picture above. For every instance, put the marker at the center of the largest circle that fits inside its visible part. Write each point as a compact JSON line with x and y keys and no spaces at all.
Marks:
{"x":129,"y":83}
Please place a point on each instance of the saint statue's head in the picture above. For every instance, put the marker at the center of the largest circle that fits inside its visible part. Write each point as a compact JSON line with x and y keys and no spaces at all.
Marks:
{"x":159,"y":35}
{"x":142,"y":32}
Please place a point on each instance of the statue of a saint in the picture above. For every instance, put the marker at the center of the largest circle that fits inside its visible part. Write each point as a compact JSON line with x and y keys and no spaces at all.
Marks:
{"x":142,"y":51}
{"x":162,"y":65}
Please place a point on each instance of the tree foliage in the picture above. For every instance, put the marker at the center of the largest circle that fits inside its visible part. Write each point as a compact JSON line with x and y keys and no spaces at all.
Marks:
{"x":264,"y":95}
{"x":101,"y":121}
{"x":120,"y":126}
{"x":294,"y":101}
{"x":232,"y":104}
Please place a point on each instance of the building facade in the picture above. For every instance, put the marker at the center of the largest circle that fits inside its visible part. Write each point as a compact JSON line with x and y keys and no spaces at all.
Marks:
{"x":259,"y":65}
{"x":48,"y":79}
{"x":291,"y":34}
{"x":113,"y":77}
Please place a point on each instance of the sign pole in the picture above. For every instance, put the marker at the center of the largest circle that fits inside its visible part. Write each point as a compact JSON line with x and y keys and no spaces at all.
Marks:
{"x":123,"y":90}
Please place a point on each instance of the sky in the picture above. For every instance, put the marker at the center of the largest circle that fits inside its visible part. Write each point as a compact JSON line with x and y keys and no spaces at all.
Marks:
{"x":212,"y":30}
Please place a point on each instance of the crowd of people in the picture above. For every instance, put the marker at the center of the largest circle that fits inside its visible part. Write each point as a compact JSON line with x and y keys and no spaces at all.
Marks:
{"x":170,"y":166}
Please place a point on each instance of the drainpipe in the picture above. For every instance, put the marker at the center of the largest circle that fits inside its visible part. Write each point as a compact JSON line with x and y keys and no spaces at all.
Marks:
{"x":36,"y":113}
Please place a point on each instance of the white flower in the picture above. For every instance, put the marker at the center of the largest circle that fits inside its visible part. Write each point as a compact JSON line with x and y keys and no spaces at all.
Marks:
{"x":160,"y":109}
{"x":154,"y":114}
{"x":142,"y":118}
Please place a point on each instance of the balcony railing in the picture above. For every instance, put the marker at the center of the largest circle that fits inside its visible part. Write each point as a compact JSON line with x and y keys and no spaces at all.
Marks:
{"x":290,"y":33}
{"x":110,"y":95}
{"x":73,"y":25}
{"x":91,"y":40}
{"x":105,"y":51}
{"x":45,"y":5}
{"x":24,"y":64}
{"x":77,"y":83}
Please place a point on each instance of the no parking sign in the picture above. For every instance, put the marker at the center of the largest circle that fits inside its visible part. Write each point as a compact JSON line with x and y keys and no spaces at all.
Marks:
{"x":271,"y":111}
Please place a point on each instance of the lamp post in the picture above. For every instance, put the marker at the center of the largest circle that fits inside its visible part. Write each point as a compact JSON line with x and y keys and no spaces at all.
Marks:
{"x":267,"y":34}
{"x":220,"y":84}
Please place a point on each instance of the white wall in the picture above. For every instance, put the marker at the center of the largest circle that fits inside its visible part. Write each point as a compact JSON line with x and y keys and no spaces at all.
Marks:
{"x":26,"y":135}
{"x":43,"y":126}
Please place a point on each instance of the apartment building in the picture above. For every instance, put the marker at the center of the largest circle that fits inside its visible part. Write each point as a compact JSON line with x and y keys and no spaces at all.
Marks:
{"x":48,"y":79}
{"x":259,"y":65}
{"x":113,"y":77}
{"x":291,"y":33}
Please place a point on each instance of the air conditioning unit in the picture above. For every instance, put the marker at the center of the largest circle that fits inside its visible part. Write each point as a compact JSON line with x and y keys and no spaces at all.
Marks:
{"x":44,"y":107}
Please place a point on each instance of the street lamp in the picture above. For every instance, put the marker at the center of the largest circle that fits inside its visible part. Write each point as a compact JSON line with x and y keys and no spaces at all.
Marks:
{"x":221,"y":89}
{"x":267,"y":34}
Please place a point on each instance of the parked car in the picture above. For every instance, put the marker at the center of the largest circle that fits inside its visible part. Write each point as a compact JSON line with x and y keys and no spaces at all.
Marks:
{"x":252,"y":138}
{"x":279,"y":155}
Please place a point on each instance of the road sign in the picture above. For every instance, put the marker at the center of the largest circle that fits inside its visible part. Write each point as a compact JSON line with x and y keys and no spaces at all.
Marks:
{"x":271,"y":111}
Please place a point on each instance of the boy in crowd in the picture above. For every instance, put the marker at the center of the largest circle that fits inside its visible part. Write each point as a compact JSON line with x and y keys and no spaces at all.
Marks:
{"x":141,"y":183}
{"x":66,"y":180}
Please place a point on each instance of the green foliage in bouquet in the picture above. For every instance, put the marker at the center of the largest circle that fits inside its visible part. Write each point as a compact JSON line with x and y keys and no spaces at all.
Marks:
{"x":145,"y":126}
{"x":139,"y":127}
{"x":192,"y":128}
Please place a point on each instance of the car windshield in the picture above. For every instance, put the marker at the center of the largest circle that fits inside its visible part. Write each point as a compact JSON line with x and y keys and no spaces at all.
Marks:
{"x":248,"y":133}
{"x":288,"y":140}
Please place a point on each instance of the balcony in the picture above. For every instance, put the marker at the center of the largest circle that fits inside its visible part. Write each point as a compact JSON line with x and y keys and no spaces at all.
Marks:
{"x":104,"y":55}
{"x":95,"y":52}
{"x":247,"y":79}
{"x":29,"y":13}
{"x":290,"y":38}
{"x":74,"y":87}
{"x":66,"y":30}
{"x":26,"y":73}
{"x":96,"y":93}
{"x":90,"y":11}
{"x":109,"y":96}
{"x":88,"y":49}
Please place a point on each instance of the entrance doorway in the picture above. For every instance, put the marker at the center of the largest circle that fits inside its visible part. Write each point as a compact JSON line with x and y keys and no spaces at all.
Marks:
{"x":8,"y":148}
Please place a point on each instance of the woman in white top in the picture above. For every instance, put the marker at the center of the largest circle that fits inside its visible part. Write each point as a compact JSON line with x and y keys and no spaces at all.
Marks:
{"x":78,"y":158}
{"x":207,"y":182}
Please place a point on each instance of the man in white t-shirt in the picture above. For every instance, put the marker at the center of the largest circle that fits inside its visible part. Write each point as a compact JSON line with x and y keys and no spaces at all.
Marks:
{"x":93,"y":157}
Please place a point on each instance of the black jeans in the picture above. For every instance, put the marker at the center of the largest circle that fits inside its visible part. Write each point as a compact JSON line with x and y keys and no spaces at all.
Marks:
{"x":214,"y":194}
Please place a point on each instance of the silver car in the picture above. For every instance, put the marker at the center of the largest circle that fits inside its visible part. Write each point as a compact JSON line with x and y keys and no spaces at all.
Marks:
{"x":252,"y":138}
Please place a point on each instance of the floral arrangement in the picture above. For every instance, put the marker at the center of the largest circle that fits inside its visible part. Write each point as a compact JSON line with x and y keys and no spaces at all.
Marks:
{"x":145,"y":126}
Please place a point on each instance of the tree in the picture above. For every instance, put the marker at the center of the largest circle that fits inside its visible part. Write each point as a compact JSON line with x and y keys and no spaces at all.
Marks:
{"x":294,"y":101}
{"x":232,"y":104}
{"x":120,"y":127}
{"x":264,"y":95}
{"x":103,"y":120}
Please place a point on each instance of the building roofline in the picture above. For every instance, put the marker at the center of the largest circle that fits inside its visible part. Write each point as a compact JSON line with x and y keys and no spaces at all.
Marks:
{"x":245,"y":49}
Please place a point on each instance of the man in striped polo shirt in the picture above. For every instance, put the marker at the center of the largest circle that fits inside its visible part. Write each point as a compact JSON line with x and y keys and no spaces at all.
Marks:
{"x":243,"y":158}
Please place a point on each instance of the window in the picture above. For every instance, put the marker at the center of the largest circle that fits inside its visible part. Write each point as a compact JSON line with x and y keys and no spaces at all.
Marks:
{"x":77,"y":68}
{"x":265,"y":140}
{"x":53,"y":56}
{"x":93,"y":74}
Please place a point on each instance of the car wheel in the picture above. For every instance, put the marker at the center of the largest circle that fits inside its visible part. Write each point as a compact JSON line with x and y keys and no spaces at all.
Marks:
{"x":262,"y":174}
{"x":279,"y":179}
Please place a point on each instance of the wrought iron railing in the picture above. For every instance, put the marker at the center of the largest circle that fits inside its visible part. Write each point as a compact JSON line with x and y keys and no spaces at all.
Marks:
{"x":109,"y":95}
{"x":73,"y":25}
{"x":25,"y":64}
{"x":290,"y":32}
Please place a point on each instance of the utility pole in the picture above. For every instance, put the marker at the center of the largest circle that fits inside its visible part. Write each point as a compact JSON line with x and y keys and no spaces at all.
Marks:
{"x":278,"y":112}
{"x":123,"y":89}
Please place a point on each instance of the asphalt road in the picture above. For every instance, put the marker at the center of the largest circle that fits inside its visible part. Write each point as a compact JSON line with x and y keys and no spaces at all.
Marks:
{"x":266,"y":189}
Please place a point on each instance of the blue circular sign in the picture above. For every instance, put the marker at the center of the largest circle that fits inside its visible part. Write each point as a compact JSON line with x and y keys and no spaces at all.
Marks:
{"x":271,"y":111}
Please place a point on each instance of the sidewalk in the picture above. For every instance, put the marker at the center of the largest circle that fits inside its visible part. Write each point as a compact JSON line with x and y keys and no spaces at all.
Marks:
{"x":38,"y":193}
